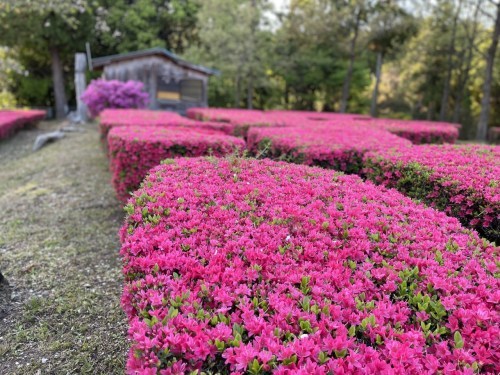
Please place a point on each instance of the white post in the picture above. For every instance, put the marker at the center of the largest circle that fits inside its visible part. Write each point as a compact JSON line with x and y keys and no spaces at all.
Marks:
{"x":80,"y":85}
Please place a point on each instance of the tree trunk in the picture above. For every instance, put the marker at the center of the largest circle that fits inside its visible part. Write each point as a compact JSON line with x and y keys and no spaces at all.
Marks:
{"x":482,"y":126}
{"x":250,"y":93}
{"x":378,"y":76}
{"x":446,"y":90}
{"x":457,"y":113}
{"x":253,"y":30}
{"x":237,"y":91}
{"x":287,"y":96}
{"x":58,"y":82}
{"x":348,"y":77}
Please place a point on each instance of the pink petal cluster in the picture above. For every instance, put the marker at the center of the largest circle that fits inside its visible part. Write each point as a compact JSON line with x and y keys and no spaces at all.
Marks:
{"x":110,"y":118}
{"x":133,"y":150}
{"x":254,"y":266}
{"x":14,"y":120}
{"x":463,"y":181}
{"x":323,"y":144}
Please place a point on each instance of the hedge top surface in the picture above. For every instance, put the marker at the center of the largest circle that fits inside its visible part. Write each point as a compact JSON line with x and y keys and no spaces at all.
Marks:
{"x":136,"y":117}
{"x":239,"y":117}
{"x":251,"y":266}
{"x":111,"y":118}
{"x":317,"y":141}
{"x":20,"y":115}
{"x":173,"y":136}
{"x":472,"y":167}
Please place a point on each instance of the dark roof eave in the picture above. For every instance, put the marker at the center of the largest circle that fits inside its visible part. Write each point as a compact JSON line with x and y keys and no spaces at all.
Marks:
{"x":100,"y":62}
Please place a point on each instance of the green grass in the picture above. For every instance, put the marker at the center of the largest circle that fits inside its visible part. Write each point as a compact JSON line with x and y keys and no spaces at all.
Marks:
{"x":59,"y":252}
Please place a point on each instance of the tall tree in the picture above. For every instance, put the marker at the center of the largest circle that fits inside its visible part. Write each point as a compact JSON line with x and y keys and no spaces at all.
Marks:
{"x":471,"y":31}
{"x":359,"y":9}
{"x":51,"y":27}
{"x":391,"y":26}
{"x":131,"y":25}
{"x":232,"y":39}
{"x":449,"y":67}
{"x":482,"y":126}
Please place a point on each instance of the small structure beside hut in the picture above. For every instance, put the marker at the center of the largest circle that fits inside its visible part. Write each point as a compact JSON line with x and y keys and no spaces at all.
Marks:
{"x":172,"y":83}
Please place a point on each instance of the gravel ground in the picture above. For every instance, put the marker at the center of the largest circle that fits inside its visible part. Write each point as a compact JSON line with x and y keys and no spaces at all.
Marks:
{"x":60,"y":304}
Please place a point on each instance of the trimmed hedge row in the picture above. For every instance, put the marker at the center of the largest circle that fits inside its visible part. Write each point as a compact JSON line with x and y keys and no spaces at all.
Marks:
{"x":14,"y":120}
{"x":418,"y":132}
{"x":422,"y":132}
{"x":463,"y":181}
{"x":111,"y":118}
{"x":242,"y":119}
{"x":328,"y":146}
{"x":133,"y":150}
{"x":246,"y":266}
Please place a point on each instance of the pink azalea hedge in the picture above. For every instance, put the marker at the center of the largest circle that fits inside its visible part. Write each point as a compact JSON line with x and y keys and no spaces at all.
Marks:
{"x":421,"y":132}
{"x":242,"y":119}
{"x":463,"y":181}
{"x":418,"y":132}
{"x":110,"y":118}
{"x":14,"y":120}
{"x":329,"y":146}
{"x":133,"y":150}
{"x":245,"y":266}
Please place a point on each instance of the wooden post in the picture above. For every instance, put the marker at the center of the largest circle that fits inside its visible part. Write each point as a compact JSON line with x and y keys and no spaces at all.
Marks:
{"x":153,"y":86}
{"x":80,"y":85}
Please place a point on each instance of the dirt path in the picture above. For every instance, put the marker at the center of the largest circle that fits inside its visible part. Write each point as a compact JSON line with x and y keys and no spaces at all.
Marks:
{"x":60,"y":313}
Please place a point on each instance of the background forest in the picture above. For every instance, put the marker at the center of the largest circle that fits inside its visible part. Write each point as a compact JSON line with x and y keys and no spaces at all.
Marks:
{"x":421,"y":59}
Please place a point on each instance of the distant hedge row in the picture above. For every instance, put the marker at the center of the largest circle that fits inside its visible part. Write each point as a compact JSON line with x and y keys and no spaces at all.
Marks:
{"x":14,"y":120}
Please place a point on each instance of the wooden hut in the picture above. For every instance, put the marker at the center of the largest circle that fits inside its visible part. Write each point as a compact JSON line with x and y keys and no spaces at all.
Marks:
{"x":172,"y":83}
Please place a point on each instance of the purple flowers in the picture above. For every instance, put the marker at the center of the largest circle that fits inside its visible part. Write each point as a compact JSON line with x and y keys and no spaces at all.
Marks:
{"x":102,"y":94}
{"x":253,"y":266}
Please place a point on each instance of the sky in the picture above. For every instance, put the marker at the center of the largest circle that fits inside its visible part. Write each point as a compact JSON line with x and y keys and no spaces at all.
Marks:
{"x":280,"y":4}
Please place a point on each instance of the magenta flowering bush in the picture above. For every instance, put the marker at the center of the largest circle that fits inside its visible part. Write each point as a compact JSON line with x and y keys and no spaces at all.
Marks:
{"x":463,"y":181}
{"x":241,"y":119}
{"x":101,"y":94}
{"x":253,"y":266}
{"x":418,"y":132}
{"x":133,"y":150}
{"x":421,"y":132}
{"x":14,"y":120}
{"x":329,"y":146}
{"x":110,"y":118}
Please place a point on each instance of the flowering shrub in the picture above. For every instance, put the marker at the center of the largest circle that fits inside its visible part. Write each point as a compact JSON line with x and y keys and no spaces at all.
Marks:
{"x":125,"y":117}
{"x":494,"y":135}
{"x":416,"y":131}
{"x":13,"y":120}
{"x":249,"y":266}
{"x":420,"y":132}
{"x":463,"y":181}
{"x":102,"y":94}
{"x":329,"y":146}
{"x":134,"y":150}
{"x":241,"y":119}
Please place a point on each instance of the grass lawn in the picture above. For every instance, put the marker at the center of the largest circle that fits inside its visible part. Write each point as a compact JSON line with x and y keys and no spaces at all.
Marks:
{"x":60,"y":313}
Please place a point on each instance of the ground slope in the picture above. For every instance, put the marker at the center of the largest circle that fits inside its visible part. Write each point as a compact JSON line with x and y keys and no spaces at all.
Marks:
{"x":60,"y":312}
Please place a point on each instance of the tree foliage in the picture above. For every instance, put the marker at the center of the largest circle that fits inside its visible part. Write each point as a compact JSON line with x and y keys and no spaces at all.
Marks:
{"x":433,"y":57}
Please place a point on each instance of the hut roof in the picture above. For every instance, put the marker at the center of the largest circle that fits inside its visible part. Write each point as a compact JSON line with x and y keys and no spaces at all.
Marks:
{"x":100,"y":62}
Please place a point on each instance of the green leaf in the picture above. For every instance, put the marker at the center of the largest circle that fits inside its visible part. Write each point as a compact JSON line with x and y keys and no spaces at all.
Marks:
{"x":459,"y":342}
